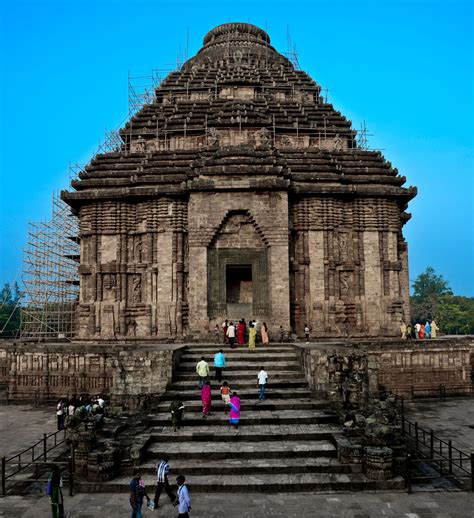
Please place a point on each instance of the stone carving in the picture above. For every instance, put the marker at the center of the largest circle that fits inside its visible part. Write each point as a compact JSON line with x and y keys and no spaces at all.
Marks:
{"x":212,"y":137}
{"x":264,"y":137}
{"x":140,"y":144}
{"x":137,"y":252}
{"x":137,"y":288}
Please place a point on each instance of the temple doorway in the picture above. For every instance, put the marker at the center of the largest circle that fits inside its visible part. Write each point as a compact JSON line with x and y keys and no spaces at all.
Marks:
{"x":239,"y":290}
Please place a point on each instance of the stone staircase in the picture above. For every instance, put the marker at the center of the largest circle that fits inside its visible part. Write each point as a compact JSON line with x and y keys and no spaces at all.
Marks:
{"x":285,"y":443}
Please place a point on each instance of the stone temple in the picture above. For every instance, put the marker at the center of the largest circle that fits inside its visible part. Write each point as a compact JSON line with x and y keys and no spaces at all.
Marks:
{"x":239,"y":192}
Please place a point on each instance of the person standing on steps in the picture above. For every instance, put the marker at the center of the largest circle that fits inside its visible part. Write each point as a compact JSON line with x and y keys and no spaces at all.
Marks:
{"x":234,"y":415}
{"x":183,"y":501}
{"x":219,"y":364}
{"x":176,"y":410}
{"x":225,"y":325}
{"x":216,"y":334}
{"x":206,"y":399}
{"x":162,"y":472}
{"x":55,"y":493}
{"x":225,"y":395}
{"x":262,"y":377}
{"x":264,"y":333}
{"x":252,"y":336}
{"x":231,"y":335}
{"x":202,"y":370}
{"x":306,"y":332}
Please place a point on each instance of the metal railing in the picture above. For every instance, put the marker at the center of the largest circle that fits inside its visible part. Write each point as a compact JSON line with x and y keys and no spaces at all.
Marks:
{"x":442,"y":391}
{"x":11,"y":466}
{"x":447,"y":460}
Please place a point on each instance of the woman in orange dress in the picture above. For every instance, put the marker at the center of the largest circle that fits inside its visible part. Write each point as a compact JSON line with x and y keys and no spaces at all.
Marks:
{"x":264,"y":333}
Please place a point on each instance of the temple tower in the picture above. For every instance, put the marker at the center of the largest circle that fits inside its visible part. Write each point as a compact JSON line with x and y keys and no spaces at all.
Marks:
{"x":238,"y":192}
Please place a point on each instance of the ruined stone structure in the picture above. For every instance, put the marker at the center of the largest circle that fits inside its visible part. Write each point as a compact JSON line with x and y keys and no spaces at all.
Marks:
{"x":239,"y":193}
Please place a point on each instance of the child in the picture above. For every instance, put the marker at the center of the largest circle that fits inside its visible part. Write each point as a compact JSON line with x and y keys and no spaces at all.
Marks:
{"x":216,"y":334}
{"x":225,"y":394}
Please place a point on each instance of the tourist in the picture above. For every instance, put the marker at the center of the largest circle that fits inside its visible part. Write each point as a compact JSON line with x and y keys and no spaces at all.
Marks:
{"x":206,"y":399}
{"x":202,"y":370}
{"x":71,"y":407}
{"x":409,"y":332}
{"x":60,"y":409}
{"x":421,"y":332}
{"x":252,"y":336}
{"x":225,"y":325}
{"x":434,"y":329}
{"x":231,"y":334}
{"x":282,"y":334}
{"x":264,"y":333}
{"x":306,"y":332}
{"x":225,"y":395}
{"x":262,"y":377}
{"x":176,"y":410}
{"x":403,"y":330}
{"x":219,"y":364}
{"x":428,"y":329}
{"x":183,"y":500}
{"x":216,"y":334}
{"x":137,"y":492}
{"x":241,"y":332}
{"x":417,"y":330}
{"x":234,"y":415}
{"x":162,"y":471}
{"x":55,"y":493}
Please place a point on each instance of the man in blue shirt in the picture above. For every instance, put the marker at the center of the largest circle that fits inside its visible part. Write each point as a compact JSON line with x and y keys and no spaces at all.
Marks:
{"x":137,"y":492}
{"x":183,"y":501}
{"x":219,"y":364}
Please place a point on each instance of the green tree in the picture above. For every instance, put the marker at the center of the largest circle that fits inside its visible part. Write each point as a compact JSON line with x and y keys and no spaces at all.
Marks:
{"x":9,"y":309}
{"x":428,"y":291}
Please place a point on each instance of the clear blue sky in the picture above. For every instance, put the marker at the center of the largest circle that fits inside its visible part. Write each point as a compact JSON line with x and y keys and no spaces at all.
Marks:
{"x":405,"y":67}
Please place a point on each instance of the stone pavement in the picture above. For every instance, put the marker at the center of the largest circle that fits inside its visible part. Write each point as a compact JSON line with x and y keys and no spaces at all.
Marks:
{"x":282,"y":505}
{"x":23,"y":425}
{"x":451,"y":419}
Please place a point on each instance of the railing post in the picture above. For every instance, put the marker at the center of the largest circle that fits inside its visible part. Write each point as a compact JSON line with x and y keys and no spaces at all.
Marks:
{"x":431,"y":444}
{"x":409,"y":473}
{"x":416,"y":435}
{"x":472,"y":471}
{"x":450,"y":457}
{"x":71,"y":474}
{"x":45,"y":447}
{"x":4,"y":485}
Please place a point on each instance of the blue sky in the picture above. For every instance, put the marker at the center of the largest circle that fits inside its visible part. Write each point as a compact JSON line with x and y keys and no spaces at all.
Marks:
{"x":404,"y":67}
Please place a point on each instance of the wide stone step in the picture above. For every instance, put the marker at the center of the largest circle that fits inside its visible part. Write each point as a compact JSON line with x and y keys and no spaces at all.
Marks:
{"x":242,"y":450}
{"x":291,"y":378}
{"x":245,"y":366}
{"x":254,"y":404}
{"x":253,"y":356}
{"x":259,"y":483}
{"x":249,"y":417}
{"x":225,"y":347}
{"x":245,"y":391}
{"x":307,"y":432}
{"x":250,"y":466}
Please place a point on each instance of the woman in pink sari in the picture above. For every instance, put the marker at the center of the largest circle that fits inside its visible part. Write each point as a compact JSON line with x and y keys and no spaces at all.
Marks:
{"x":234,"y":415}
{"x":206,"y":399}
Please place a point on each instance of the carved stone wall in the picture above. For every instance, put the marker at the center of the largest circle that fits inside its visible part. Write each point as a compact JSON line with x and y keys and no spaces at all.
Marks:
{"x":61,"y":370}
{"x":348,"y":266}
{"x":133,"y":269}
{"x":398,"y":366}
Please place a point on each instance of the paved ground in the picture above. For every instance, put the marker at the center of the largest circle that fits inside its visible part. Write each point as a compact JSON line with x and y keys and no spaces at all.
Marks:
{"x":283,"y":505}
{"x":23,"y":425}
{"x":451,"y":419}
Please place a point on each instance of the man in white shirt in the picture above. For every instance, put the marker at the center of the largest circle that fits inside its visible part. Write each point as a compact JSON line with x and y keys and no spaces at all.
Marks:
{"x":417,"y":330}
{"x":231,"y":334}
{"x":202,"y":370}
{"x":262,"y":381}
{"x":183,"y":500}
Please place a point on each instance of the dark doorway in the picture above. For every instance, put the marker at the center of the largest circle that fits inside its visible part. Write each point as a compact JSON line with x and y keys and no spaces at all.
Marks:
{"x":239,"y":290}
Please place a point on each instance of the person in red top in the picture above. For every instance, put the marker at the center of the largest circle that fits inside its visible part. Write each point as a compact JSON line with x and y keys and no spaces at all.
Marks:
{"x":225,"y":395}
{"x":422,"y":332}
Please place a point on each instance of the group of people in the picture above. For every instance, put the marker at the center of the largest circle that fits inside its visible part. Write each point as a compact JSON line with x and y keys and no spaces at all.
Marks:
{"x":92,"y":406}
{"x":245,"y":334}
{"x":138,"y":493}
{"x":419,"y":331}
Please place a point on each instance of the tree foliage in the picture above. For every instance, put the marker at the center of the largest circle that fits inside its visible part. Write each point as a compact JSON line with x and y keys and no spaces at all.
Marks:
{"x":433,"y":299}
{"x":10,"y":297}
